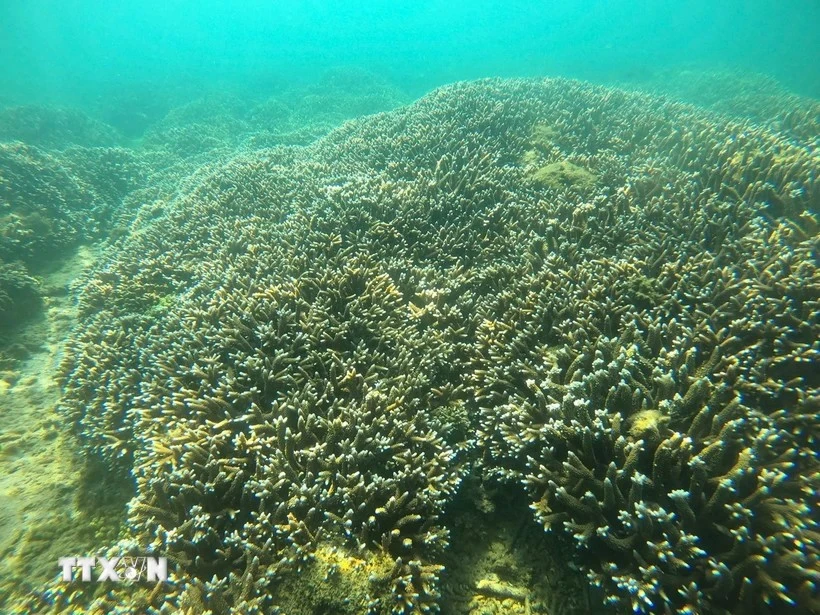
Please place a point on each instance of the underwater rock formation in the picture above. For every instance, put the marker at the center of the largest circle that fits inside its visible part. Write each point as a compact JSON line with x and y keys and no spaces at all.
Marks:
{"x":305,"y":355}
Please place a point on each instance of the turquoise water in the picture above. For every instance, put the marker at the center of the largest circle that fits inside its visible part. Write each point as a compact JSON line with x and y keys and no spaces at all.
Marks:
{"x":393,"y":308}
{"x":70,"y":49}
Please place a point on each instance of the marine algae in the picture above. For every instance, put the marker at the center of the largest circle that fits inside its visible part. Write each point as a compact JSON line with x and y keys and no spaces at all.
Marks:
{"x":563,"y":174}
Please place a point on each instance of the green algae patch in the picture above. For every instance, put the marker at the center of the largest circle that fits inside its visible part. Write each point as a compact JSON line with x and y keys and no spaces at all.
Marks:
{"x":563,"y":174}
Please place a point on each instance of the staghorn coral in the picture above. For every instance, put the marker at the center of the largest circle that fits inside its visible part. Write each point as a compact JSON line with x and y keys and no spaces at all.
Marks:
{"x":217,"y":124}
{"x":50,"y":201}
{"x":309,"y":349}
{"x":756,"y":97}
{"x":42,"y":204}
{"x":56,"y":128}
{"x":187,"y":139}
{"x":19,"y":295}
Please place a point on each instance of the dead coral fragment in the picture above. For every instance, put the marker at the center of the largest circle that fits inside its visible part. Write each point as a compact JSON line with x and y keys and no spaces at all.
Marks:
{"x":497,"y":589}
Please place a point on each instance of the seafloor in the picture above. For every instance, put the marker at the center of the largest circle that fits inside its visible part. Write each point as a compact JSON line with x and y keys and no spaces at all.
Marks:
{"x":519,"y":346}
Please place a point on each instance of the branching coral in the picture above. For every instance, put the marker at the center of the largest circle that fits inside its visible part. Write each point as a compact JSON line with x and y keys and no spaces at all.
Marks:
{"x":50,"y":127}
{"x":19,"y":295}
{"x":744,"y":95}
{"x":636,"y":355}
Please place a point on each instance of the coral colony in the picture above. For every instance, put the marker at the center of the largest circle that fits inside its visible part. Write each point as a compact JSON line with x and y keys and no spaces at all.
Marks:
{"x":603,"y":301}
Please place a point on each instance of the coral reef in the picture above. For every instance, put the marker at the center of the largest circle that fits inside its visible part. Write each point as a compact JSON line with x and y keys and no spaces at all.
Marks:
{"x":757,"y":97}
{"x":51,"y":127}
{"x":220,"y":123}
{"x":133,"y":106}
{"x":49,"y":203}
{"x":342,"y":94}
{"x":210,"y":123}
{"x":300,"y":115}
{"x":308,"y":351}
{"x":19,"y":295}
{"x":42,"y":206}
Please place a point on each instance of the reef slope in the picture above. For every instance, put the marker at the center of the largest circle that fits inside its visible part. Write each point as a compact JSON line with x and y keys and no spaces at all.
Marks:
{"x":598,"y":303}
